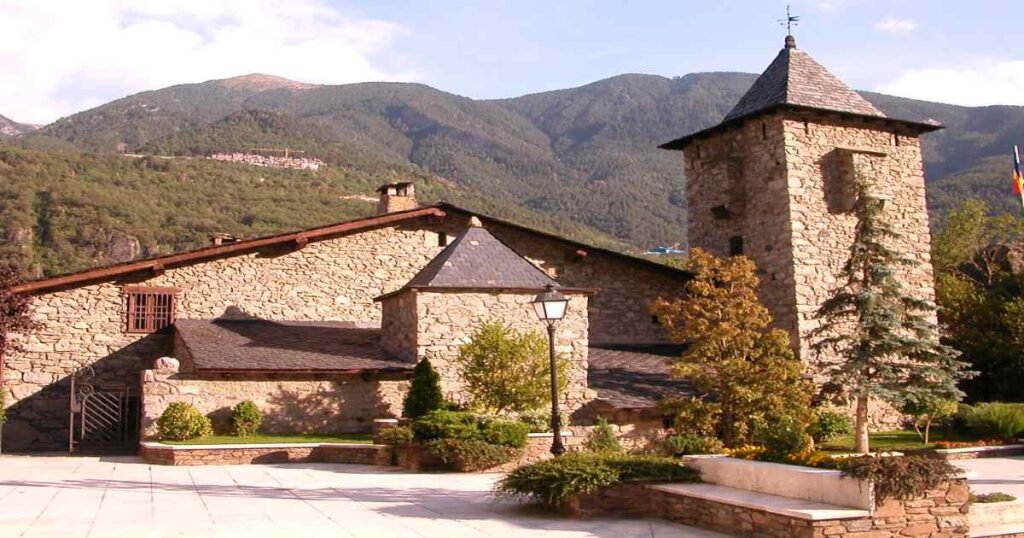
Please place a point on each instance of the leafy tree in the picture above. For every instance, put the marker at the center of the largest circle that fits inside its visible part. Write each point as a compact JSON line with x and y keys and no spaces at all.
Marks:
{"x":744,"y":370}
{"x":424,"y":393}
{"x":979,"y":287}
{"x":507,"y":371}
{"x":875,"y":340}
{"x":926,"y":410}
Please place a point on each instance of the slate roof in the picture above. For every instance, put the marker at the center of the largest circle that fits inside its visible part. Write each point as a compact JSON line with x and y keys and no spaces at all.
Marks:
{"x":794,"y":78}
{"x":634,"y":376}
{"x":478,"y":260}
{"x":283,"y":346}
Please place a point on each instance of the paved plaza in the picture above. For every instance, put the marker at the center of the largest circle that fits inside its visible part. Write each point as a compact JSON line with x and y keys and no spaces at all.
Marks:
{"x":123,"y":496}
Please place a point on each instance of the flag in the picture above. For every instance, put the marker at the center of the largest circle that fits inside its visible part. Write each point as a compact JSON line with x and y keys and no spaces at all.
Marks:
{"x":1018,"y":178}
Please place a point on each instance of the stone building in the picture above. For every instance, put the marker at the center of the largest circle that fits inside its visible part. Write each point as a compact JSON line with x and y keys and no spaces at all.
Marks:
{"x":775,"y":181}
{"x":322,"y":327}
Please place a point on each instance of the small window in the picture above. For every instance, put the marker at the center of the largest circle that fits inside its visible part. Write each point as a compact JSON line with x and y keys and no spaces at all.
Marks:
{"x":442,"y":239}
{"x":764,"y":131}
{"x":655,"y":320}
{"x":735,"y":246}
{"x":149,"y":310}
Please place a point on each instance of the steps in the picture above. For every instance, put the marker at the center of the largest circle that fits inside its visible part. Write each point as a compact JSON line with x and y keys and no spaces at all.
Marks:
{"x":772,"y":504}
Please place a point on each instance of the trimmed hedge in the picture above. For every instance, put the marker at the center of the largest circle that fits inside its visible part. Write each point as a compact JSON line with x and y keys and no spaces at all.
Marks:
{"x":555,"y":481}
{"x":469,"y":427}
{"x":181,"y":422}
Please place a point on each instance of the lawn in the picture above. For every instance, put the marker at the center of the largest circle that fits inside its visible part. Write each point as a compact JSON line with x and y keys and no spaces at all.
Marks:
{"x":277,"y":438}
{"x":892,"y":440}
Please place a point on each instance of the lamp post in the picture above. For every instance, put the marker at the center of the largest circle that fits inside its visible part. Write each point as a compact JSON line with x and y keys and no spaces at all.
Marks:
{"x":550,"y":306}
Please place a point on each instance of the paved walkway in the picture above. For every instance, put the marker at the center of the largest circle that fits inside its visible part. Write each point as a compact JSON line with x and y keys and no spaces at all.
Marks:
{"x":122,"y":496}
{"x":989,"y":475}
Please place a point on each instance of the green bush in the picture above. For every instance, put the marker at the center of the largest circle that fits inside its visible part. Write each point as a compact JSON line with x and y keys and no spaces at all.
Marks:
{"x":900,"y":477}
{"x":996,"y":419}
{"x":181,"y":422}
{"x":471,"y":454}
{"x":446,"y":425}
{"x":424,"y":393}
{"x":246,"y":419}
{"x":539,"y":420}
{"x":829,"y":425}
{"x":994,"y":497}
{"x":683,"y":445}
{"x":556,"y":480}
{"x":602,"y":438}
{"x":397,"y":436}
{"x":505,"y":432}
{"x":782,"y":436}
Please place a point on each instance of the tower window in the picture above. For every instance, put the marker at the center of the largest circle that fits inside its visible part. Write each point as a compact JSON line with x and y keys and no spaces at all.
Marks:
{"x":736,"y":245}
{"x":149,"y":310}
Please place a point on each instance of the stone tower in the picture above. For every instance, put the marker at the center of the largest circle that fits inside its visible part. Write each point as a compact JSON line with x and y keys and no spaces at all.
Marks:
{"x":775,"y":181}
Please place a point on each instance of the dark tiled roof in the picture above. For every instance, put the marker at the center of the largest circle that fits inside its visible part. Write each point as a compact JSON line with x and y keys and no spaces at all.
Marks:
{"x":283,"y":346}
{"x":794,"y":78}
{"x":476,"y":259}
{"x":634,"y":376}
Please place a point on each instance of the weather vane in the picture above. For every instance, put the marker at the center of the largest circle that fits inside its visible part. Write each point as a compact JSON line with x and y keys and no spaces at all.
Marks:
{"x":790,"y":21}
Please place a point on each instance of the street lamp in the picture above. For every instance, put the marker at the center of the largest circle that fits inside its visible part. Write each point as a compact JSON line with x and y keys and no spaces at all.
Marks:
{"x":550,"y":306}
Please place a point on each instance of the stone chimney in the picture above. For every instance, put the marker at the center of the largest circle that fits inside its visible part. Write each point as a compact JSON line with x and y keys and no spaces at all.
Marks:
{"x":396,"y":197}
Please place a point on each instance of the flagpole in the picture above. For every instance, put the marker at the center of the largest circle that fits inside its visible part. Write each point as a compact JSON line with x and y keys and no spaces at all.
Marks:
{"x":1018,"y":177}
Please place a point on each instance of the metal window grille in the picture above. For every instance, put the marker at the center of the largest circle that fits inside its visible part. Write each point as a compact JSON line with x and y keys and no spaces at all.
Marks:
{"x":149,"y":310}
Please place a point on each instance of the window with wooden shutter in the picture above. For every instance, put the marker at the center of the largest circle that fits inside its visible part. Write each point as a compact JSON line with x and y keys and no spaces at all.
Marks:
{"x":149,"y":309}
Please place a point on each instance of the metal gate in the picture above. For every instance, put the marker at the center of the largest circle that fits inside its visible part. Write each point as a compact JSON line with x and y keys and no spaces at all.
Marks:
{"x":102,"y":418}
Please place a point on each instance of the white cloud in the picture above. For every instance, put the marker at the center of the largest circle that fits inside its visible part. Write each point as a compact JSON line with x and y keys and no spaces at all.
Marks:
{"x":895,"y":26}
{"x":987,"y":84}
{"x":61,"y":56}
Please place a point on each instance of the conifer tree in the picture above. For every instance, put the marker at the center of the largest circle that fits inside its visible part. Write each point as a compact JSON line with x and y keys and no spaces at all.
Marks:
{"x":882,"y":340}
{"x":424,"y":393}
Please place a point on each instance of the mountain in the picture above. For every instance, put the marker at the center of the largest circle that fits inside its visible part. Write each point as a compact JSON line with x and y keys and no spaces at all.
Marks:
{"x":584,"y":158}
{"x":9,"y":128}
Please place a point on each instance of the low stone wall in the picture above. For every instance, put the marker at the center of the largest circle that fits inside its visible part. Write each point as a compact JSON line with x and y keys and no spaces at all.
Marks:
{"x":940,"y":513}
{"x":973,"y":452}
{"x":163,"y":454}
{"x":289,"y":402}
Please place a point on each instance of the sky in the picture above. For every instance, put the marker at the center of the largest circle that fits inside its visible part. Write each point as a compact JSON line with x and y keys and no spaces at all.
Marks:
{"x":58,"y":57}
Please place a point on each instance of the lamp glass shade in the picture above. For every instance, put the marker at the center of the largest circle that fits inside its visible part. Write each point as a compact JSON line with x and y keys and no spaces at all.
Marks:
{"x":550,"y":305}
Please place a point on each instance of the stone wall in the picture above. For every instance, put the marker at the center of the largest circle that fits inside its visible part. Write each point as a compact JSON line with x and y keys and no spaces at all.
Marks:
{"x":445,"y":321}
{"x":940,"y":513}
{"x":334,"y":280}
{"x":290,"y":403}
{"x":160,"y":454}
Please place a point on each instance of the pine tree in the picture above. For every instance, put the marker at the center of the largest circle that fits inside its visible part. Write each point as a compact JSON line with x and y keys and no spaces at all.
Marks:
{"x":883,"y":341}
{"x":424,"y":393}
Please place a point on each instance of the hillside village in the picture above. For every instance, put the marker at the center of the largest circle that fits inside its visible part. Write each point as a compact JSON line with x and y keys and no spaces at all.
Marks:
{"x":346,"y":308}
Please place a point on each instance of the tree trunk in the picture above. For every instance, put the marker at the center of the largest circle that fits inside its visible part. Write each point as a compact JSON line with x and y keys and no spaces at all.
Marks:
{"x":861,"y":426}
{"x":927,"y":430}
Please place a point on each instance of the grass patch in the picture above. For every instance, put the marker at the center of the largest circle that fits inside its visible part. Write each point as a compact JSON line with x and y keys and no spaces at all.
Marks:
{"x":273,"y":438}
{"x":898,"y":440}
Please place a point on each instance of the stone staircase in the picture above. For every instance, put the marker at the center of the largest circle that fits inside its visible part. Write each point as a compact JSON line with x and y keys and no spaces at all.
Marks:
{"x":1003,"y":519}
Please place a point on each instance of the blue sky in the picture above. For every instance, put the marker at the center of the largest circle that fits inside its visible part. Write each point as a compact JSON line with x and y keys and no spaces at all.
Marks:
{"x":61,"y":56}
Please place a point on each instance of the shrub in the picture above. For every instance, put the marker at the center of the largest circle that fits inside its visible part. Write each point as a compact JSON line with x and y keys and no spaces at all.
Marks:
{"x":502,"y":432}
{"x":782,"y":436}
{"x":471,"y":454}
{"x":246,"y":419}
{"x":829,"y":425}
{"x":602,"y":438}
{"x":508,"y":371}
{"x":539,"y":420}
{"x":900,"y":477}
{"x":997,"y":419}
{"x":556,"y":480}
{"x":994,"y":497}
{"x":446,"y":425}
{"x":424,"y":393}
{"x":181,"y":422}
{"x":682,"y":445}
{"x":397,"y":436}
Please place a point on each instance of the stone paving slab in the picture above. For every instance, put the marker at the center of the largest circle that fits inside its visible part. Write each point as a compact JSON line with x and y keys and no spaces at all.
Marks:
{"x":43,"y":496}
